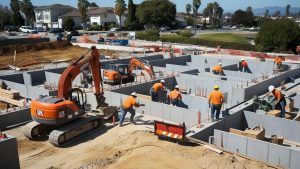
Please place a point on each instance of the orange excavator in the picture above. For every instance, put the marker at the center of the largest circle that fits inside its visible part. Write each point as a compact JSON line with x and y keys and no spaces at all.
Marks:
{"x":122,"y":73}
{"x":63,"y":116}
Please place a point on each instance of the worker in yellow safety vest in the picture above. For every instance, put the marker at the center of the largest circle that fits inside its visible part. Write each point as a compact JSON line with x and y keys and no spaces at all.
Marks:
{"x":215,"y":102}
{"x":175,"y":97}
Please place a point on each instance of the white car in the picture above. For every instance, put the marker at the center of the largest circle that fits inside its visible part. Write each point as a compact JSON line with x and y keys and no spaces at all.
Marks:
{"x":114,"y":29}
{"x":27,"y":29}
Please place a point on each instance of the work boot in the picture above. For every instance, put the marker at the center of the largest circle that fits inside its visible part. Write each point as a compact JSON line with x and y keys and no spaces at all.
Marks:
{"x":132,"y":121}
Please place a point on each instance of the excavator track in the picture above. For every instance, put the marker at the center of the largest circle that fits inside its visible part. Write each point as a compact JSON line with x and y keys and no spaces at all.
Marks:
{"x":61,"y":136}
{"x":35,"y":130}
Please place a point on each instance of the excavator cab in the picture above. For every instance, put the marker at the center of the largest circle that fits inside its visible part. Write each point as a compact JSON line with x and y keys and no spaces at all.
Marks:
{"x":76,"y":96}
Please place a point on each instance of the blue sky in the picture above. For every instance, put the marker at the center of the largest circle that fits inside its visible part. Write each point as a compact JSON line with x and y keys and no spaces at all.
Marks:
{"x":228,"y":5}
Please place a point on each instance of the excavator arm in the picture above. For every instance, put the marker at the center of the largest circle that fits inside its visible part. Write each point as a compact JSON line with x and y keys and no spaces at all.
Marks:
{"x":135,"y":62}
{"x":71,"y":72}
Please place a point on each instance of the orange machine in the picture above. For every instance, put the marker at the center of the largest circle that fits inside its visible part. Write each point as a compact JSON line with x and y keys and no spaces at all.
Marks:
{"x":122,"y":73}
{"x":62,"y":116}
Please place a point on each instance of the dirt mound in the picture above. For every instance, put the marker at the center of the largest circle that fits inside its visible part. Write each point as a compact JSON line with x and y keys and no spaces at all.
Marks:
{"x":131,"y":146}
{"x":33,"y":47}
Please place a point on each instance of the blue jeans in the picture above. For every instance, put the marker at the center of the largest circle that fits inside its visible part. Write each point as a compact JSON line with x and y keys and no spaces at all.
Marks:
{"x":217,"y":109}
{"x":281,"y":106}
{"x":124,"y":112}
{"x":154,"y":95}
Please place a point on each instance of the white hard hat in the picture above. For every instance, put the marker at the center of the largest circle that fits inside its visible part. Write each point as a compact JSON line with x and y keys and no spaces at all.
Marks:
{"x":220,"y":63}
{"x":242,"y":59}
{"x":162,"y":81}
{"x":176,"y":87}
{"x":271,"y":88}
{"x":133,"y":94}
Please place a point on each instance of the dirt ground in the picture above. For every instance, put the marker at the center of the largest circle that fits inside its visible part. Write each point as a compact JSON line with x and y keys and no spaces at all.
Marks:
{"x":130,"y":146}
{"x":29,"y":58}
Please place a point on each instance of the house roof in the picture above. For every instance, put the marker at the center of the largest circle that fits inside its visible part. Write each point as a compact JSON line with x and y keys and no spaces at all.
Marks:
{"x":100,"y":10}
{"x":74,"y":13}
{"x":54,"y":6}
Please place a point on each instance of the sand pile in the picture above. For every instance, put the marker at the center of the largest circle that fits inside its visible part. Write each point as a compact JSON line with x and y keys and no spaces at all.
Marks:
{"x":131,"y":146}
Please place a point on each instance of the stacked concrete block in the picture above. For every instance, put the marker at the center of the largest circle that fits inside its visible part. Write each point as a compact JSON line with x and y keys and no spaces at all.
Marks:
{"x":13,"y":117}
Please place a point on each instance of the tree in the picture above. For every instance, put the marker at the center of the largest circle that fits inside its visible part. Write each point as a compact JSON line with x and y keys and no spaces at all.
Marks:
{"x":27,"y":9}
{"x":157,"y":13}
{"x":245,"y":18}
{"x":280,"y":35}
{"x":93,"y":4}
{"x":69,"y":24}
{"x":16,"y":16}
{"x":188,"y":9}
{"x":277,"y":14}
{"x":249,"y":9}
{"x":196,"y":5}
{"x":131,"y":22}
{"x":82,"y":6}
{"x":267,"y":13}
{"x":120,"y":8}
{"x":189,"y":20}
{"x":5,"y":15}
{"x":215,"y":12}
{"x":287,"y":10}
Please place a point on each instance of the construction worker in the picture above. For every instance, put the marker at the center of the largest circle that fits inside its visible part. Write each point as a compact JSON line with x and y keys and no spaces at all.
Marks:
{"x":175,"y":97}
{"x":278,"y":62}
{"x":155,"y":89}
{"x":215,"y":101}
{"x":244,"y":65}
{"x":280,"y":100}
{"x":218,"y":69}
{"x":127,"y":106}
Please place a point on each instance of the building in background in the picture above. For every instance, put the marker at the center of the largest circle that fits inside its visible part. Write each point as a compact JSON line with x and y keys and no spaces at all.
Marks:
{"x":75,"y":15}
{"x":47,"y":16}
{"x":105,"y":16}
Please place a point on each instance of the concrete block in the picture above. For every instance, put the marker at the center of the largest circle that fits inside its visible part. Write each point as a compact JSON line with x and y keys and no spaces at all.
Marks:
{"x":279,"y":155}
{"x":294,"y":160}
{"x":156,"y":109}
{"x":258,"y":149}
{"x":166,"y":113}
{"x":9,"y":153}
{"x":220,"y":138}
{"x":177,"y":114}
{"x":237,"y":144}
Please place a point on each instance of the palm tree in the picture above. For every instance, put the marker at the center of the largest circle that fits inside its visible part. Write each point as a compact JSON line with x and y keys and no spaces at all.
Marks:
{"x":287,"y":10}
{"x":120,"y":8}
{"x":82,"y":6}
{"x":196,"y":4}
{"x":188,"y":8}
{"x":27,"y":9}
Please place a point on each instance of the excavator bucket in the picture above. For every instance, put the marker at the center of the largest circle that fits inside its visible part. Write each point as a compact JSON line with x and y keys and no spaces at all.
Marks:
{"x":173,"y":131}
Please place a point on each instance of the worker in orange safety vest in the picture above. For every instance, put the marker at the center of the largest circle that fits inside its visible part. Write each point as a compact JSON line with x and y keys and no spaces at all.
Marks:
{"x":215,"y":102}
{"x":218,"y":69}
{"x":278,"y":62}
{"x":127,"y":106}
{"x":244,"y":65}
{"x":175,"y":97}
{"x":155,"y":89}
{"x":280,"y":100}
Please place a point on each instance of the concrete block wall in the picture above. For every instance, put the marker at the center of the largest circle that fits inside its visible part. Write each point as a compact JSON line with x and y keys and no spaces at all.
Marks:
{"x":260,"y":150}
{"x":13,"y":117}
{"x":274,"y":126}
{"x":9,"y":153}
{"x":181,"y":60}
{"x":37,"y":77}
{"x":17,"y":78}
{"x":262,"y":87}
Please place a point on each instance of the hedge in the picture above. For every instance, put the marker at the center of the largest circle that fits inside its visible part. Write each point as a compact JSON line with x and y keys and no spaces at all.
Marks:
{"x":195,"y":41}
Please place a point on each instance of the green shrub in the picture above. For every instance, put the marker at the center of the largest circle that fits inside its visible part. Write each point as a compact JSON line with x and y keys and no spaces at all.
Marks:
{"x":281,"y":35}
{"x":150,"y":35}
{"x":185,"y":33}
{"x":195,"y":41}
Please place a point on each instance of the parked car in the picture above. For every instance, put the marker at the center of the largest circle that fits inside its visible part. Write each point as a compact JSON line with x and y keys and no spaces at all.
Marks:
{"x":164,"y":29}
{"x":56,"y":30}
{"x":114,"y":29}
{"x":27,"y":29}
{"x":10,"y":28}
{"x":75,"y":33}
{"x":40,"y":29}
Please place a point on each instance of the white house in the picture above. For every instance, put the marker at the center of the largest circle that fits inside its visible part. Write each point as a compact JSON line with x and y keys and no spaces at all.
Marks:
{"x":105,"y":16}
{"x":47,"y":16}
{"x":75,"y":15}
